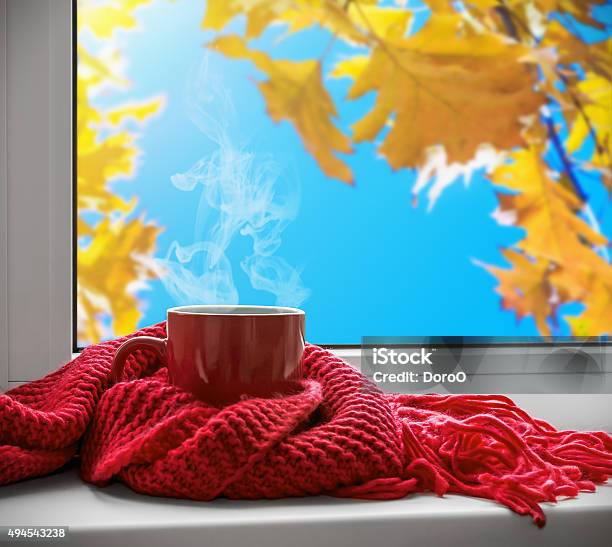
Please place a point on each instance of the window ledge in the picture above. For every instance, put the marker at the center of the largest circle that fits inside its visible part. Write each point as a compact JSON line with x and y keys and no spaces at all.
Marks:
{"x":116,"y":515}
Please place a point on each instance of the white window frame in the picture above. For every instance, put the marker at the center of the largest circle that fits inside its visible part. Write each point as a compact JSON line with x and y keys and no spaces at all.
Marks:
{"x":3,"y":206}
{"x":35,"y":188}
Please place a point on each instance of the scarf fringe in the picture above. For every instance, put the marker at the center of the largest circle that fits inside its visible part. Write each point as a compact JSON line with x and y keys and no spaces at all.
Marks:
{"x":486,"y":446}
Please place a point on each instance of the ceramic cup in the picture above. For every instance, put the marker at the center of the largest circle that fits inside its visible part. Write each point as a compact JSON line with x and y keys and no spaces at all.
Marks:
{"x":224,"y":353}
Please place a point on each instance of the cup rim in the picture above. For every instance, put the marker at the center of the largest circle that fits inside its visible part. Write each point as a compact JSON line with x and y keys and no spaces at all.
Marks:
{"x":267,"y":311}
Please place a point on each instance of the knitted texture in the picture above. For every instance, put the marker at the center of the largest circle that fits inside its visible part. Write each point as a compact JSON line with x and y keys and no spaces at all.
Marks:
{"x":338,"y":435}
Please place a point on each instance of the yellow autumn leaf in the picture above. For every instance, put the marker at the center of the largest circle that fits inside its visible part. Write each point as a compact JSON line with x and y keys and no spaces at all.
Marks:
{"x":139,"y":112}
{"x":340,"y":17}
{"x":350,"y":67}
{"x":533,"y":287}
{"x":525,"y":288}
{"x":581,"y":10}
{"x":259,"y":13}
{"x":89,"y":328}
{"x":294,"y":92}
{"x":577,"y":279}
{"x":113,"y":157}
{"x":596,"y":320}
{"x":383,"y":22}
{"x":437,"y":87}
{"x":102,"y":160}
{"x":555,"y":236}
{"x":440,"y":6}
{"x":596,"y":91}
{"x":92,"y":71}
{"x":537,"y":287}
{"x":450,"y":6}
{"x":357,"y":21}
{"x":595,"y":57}
{"x":84,"y":229}
{"x":545,"y":209}
{"x":103,"y":18}
{"x":443,"y":4}
{"x":109,"y":265}
{"x":97,"y":161}
{"x":220,"y":12}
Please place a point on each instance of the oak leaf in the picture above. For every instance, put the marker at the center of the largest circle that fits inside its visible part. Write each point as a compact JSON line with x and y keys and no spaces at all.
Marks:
{"x":340,"y":17}
{"x":558,"y":240}
{"x":595,"y":57}
{"x":294,"y":92}
{"x":596,"y":320}
{"x":546,"y":209}
{"x":525,"y":288}
{"x":596,"y":93}
{"x":413,"y":78}
{"x":358,"y":21}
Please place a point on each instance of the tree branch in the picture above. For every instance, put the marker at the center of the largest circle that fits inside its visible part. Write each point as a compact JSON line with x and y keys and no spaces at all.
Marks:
{"x":567,"y":165}
{"x":575,"y":101}
{"x":506,"y":16}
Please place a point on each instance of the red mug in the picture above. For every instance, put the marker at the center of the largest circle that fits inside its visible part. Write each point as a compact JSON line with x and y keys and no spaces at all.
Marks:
{"x":224,"y":353}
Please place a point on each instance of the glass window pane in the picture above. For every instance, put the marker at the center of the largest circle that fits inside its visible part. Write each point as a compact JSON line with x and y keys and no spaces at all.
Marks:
{"x":390,"y":169}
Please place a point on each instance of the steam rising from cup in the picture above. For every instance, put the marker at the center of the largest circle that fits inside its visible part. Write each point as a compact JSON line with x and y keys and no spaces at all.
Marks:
{"x":241,"y":195}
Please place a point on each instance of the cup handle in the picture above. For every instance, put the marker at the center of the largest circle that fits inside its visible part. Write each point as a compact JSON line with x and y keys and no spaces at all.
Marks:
{"x":157,"y":345}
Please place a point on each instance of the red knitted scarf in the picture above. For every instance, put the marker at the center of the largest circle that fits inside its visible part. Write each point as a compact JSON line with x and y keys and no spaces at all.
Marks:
{"x":339,"y":436}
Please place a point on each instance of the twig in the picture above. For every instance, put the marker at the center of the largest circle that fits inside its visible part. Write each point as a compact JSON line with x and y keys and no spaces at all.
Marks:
{"x":579,"y":106}
{"x":549,"y":123}
{"x":567,"y":166}
{"x":506,"y":15}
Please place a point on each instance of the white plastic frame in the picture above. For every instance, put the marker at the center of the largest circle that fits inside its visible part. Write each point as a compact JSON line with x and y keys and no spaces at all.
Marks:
{"x":35,"y":187}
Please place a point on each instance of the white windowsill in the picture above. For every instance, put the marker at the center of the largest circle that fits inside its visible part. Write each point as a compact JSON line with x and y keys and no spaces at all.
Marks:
{"x":115,"y":515}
